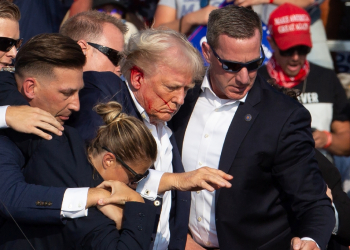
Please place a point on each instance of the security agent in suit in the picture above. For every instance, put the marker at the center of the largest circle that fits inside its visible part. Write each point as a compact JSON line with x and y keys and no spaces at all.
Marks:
{"x":237,"y":123}
{"x":62,"y":161}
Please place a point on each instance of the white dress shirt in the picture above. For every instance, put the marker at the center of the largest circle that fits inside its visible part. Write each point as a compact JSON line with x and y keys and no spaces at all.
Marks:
{"x":148,"y":188}
{"x":202,"y":146}
{"x":203,"y":142}
{"x":3,"y":123}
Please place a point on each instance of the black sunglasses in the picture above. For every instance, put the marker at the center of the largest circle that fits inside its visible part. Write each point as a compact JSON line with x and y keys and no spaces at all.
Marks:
{"x":6,"y":43}
{"x":234,"y":67}
{"x":113,"y":55}
{"x":136,"y":177}
{"x":302,"y":50}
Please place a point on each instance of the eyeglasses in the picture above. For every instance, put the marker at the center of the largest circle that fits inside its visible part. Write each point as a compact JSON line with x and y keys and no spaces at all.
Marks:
{"x":302,"y":50}
{"x":6,"y":43}
{"x":137,"y":177}
{"x":234,"y":67}
{"x":113,"y":55}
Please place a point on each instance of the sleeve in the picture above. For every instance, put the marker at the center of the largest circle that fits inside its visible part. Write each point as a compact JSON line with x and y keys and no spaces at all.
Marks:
{"x":339,"y":100}
{"x":9,"y":94}
{"x":25,"y":202}
{"x":3,"y":117}
{"x":100,"y":233}
{"x":169,"y":3}
{"x":297,"y":172}
{"x":74,"y":203}
{"x":148,"y":187}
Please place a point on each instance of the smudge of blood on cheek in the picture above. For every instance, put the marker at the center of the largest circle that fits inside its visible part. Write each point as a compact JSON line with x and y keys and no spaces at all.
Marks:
{"x":166,"y":103}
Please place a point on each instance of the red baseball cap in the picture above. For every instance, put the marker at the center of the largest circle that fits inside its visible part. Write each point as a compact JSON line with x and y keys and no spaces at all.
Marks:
{"x":289,"y":26}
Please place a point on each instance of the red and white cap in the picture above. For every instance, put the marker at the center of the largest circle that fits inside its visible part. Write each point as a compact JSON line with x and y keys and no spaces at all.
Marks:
{"x":289,"y":26}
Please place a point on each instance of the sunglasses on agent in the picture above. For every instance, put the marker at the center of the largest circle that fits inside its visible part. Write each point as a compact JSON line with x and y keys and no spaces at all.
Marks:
{"x":6,"y":43}
{"x":234,"y":67}
{"x":113,"y":55}
{"x":136,"y":177}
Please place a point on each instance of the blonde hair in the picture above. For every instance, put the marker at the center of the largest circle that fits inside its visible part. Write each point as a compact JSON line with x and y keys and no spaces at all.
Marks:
{"x":9,"y":11}
{"x":126,"y":136}
{"x":150,"y":48}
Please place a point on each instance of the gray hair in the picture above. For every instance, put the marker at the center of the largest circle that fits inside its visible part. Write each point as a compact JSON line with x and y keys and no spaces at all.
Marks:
{"x":236,"y":22}
{"x":89,"y":25}
{"x":150,"y":48}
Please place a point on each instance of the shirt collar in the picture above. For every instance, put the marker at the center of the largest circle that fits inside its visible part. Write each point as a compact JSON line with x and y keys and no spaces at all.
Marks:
{"x":206,"y":86}
{"x":139,"y":108}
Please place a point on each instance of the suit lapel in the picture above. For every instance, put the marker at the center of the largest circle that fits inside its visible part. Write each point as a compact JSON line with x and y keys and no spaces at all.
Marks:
{"x":244,"y":118}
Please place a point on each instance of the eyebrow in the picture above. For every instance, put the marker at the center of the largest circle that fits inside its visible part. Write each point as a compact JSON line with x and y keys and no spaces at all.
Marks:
{"x":68,"y":91}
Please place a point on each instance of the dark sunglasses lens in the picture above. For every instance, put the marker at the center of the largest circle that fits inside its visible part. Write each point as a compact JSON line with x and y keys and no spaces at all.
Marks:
{"x":139,"y":177}
{"x":6,"y":44}
{"x":114,"y":56}
{"x":18,"y":43}
{"x":231,"y":66}
{"x":301,"y":50}
{"x":255,"y":65}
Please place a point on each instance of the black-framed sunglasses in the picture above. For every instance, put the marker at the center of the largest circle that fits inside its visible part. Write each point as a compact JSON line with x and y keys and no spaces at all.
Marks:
{"x":6,"y":43}
{"x":113,"y":55}
{"x":302,"y":50}
{"x":136,"y":177}
{"x":234,"y":67}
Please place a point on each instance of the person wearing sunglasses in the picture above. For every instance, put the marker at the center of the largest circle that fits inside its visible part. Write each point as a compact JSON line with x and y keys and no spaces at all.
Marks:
{"x":236,"y":122}
{"x":321,"y":91}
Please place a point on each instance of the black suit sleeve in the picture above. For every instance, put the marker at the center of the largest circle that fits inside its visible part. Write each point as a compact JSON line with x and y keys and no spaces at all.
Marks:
{"x":9,"y":94}
{"x":297,"y":172}
{"x":19,"y":197}
{"x":99,"y":233}
{"x":341,"y":201}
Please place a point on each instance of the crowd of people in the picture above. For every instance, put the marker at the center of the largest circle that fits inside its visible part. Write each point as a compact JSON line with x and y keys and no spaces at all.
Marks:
{"x":115,"y":136}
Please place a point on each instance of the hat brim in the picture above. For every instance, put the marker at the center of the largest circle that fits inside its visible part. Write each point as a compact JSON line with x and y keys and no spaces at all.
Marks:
{"x":288,"y":41}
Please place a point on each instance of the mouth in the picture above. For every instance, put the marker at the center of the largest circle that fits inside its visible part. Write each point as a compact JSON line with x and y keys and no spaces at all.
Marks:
{"x":3,"y":64}
{"x":63,"y":118}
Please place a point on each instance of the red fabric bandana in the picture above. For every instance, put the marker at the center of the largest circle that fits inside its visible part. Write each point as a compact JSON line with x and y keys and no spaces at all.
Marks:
{"x":275,"y":71}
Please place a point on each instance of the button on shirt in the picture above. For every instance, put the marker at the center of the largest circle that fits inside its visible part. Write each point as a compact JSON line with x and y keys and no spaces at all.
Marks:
{"x":203,"y":142}
{"x":148,"y":187}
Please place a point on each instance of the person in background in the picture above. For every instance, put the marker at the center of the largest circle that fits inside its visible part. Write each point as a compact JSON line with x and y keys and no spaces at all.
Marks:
{"x":321,"y":91}
{"x":117,"y":9}
{"x":184,"y":16}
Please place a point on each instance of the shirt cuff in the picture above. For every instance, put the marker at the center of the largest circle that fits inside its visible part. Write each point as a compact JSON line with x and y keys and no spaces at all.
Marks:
{"x":74,"y":203}
{"x":148,"y":187}
{"x":3,"y":117}
{"x":335,"y":230}
{"x":307,"y":238}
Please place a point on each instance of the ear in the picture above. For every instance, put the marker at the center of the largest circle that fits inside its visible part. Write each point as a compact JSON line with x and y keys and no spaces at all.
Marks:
{"x":28,"y":88}
{"x":272,"y":43}
{"x":136,"y":77}
{"x":84,"y":46}
{"x":108,"y":161}
{"x":206,"y":51}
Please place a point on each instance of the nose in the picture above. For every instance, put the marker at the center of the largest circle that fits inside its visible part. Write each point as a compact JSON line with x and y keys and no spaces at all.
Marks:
{"x":74,"y":104}
{"x":180,"y":96}
{"x":295,"y":56}
{"x":243,"y":76}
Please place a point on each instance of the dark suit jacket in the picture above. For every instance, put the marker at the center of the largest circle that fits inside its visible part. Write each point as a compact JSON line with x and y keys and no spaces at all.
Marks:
{"x":341,"y":201}
{"x":104,"y":87}
{"x":277,"y":190}
{"x":62,"y":162}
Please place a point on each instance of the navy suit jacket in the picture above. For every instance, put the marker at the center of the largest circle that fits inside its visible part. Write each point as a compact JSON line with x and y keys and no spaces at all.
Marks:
{"x":277,"y":190}
{"x":62,"y":162}
{"x":104,"y":87}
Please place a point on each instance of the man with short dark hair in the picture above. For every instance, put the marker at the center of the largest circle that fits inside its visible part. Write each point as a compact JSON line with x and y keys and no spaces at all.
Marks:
{"x":236,"y":122}
{"x":321,"y":91}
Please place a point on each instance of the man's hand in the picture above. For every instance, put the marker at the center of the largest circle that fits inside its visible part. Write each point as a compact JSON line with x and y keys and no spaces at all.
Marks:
{"x":31,"y":120}
{"x":203,"y":178}
{"x":114,"y":212}
{"x":329,"y":193}
{"x":298,"y":244}
{"x":120,"y":193}
{"x":320,"y":138}
{"x":192,"y":245}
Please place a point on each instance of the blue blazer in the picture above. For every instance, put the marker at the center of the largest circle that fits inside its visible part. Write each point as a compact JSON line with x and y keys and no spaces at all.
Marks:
{"x":104,"y":87}
{"x":62,"y":162}
{"x":277,"y":190}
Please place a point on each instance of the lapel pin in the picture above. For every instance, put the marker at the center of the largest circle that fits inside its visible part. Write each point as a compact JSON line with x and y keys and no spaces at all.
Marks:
{"x":248,"y":117}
